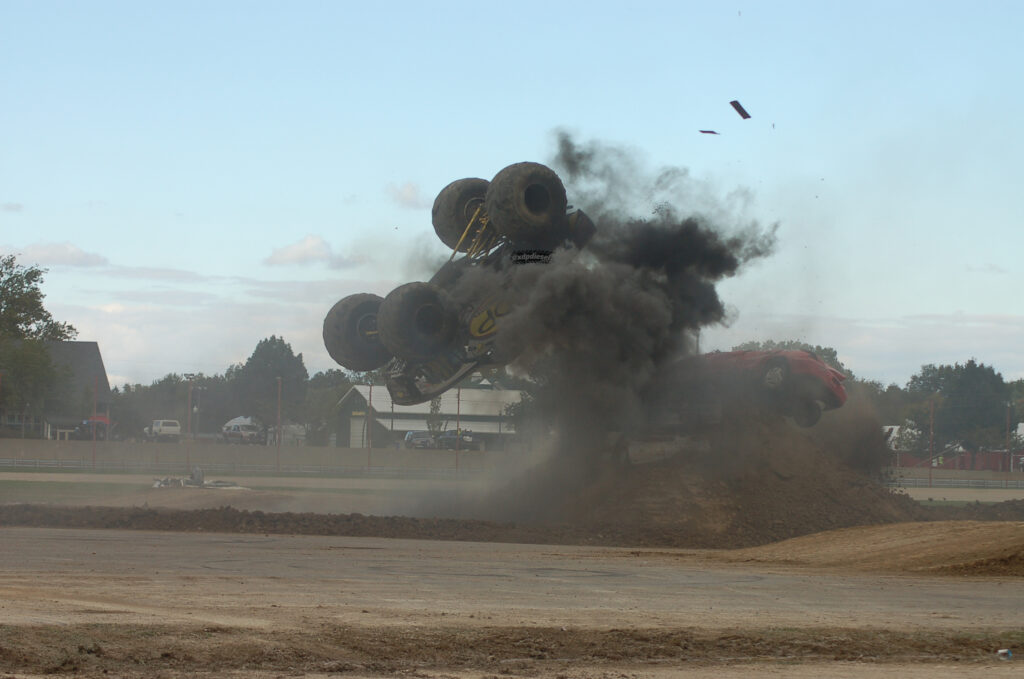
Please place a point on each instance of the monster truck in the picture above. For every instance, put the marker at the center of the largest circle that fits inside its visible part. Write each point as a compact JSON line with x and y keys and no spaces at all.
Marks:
{"x":430,"y":339}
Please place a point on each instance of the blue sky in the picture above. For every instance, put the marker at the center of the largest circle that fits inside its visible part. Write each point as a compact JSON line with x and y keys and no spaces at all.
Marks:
{"x":198,"y":176}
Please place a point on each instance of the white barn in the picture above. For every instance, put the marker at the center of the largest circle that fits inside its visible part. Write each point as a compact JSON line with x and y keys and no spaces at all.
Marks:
{"x":480,"y":409}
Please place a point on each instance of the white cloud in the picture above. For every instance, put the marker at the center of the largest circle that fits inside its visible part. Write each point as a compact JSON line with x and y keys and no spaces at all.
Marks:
{"x":58,"y":254}
{"x":157,"y":273}
{"x":311,"y":250}
{"x":408,"y":195}
{"x":11,"y":207}
{"x":139,"y":346}
{"x":308,"y":250}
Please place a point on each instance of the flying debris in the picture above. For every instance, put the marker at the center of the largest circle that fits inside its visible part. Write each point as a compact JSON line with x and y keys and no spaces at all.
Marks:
{"x":708,"y":132}
{"x":739,"y":109}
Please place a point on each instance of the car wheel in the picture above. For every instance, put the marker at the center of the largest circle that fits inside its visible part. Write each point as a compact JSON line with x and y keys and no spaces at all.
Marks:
{"x":775,"y":375}
{"x":807,"y":413}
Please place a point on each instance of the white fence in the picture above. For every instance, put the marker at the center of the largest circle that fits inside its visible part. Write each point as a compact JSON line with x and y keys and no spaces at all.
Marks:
{"x":955,"y":483}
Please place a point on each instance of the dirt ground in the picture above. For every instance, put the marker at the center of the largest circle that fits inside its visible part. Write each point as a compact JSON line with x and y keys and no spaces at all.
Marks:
{"x":771,"y":552}
{"x":138,"y":603}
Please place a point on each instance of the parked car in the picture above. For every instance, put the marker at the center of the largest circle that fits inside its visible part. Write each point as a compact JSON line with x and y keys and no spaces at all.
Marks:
{"x":466,"y":440}
{"x":163,"y":431}
{"x":243,"y":433}
{"x":420,"y":439}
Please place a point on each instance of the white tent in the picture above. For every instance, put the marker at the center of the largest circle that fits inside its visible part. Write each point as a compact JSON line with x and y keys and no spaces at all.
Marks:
{"x":241,"y":420}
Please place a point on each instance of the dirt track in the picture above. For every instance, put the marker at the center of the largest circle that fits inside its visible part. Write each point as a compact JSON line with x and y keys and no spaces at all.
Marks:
{"x":863,"y":588}
{"x":174,"y":604}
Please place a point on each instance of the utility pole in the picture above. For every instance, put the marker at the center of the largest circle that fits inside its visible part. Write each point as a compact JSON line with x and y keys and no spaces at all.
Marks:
{"x":931,"y":440}
{"x":95,"y":388}
{"x":368,"y":421}
{"x":1009,"y":460}
{"x":278,"y":425}
{"x":197,"y":409}
{"x":188,"y":427}
{"x":458,"y":425}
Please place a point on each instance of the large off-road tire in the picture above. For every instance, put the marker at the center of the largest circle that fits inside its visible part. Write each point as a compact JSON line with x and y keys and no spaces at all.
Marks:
{"x":454,"y":208}
{"x":350,"y":333}
{"x":417,"y":321}
{"x":526,"y":204}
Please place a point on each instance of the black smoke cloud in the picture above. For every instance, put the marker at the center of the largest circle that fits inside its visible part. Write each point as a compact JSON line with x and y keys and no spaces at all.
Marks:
{"x":595,"y":328}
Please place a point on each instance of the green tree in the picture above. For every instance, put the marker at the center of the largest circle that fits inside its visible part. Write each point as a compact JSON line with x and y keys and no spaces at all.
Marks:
{"x":255,"y":383}
{"x":28,"y":377}
{"x":22,"y":314}
{"x":332,"y":378}
{"x":215,"y":399}
{"x":435,"y":423}
{"x":136,"y":406}
{"x":323,"y":392}
{"x":27,"y":374}
{"x":970,"y":401}
{"x":520,"y":413}
{"x":892,"y":404}
{"x":376,"y":377}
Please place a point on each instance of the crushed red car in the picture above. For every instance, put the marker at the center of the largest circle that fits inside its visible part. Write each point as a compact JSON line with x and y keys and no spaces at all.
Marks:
{"x":796,"y":384}
{"x":696,"y":390}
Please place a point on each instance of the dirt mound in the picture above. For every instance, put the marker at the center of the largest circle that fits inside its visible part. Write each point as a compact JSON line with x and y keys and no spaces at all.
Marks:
{"x":954,"y":547}
{"x":752,"y":485}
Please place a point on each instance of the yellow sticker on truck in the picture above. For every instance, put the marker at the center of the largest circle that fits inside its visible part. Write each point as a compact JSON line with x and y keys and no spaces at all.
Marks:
{"x":485,"y":322}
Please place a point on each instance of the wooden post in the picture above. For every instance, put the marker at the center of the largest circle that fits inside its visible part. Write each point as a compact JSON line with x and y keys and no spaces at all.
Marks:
{"x":95,"y":388}
{"x":278,"y":425}
{"x":369,"y":426}
{"x":931,"y":440}
{"x":1009,"y":460}
{"x":188,"y":429}
{"x":458,"y":425}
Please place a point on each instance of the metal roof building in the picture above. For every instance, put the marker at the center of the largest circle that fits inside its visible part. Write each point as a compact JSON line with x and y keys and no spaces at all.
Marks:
{"x":478,"y":409}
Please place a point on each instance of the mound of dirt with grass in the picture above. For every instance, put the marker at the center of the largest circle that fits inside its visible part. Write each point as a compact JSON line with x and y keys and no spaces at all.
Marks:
{"x":752,"y":484}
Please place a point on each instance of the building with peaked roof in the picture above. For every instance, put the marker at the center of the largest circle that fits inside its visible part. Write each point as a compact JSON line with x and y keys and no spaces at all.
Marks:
{"x":83,"y":389}
{"x":80,"y":393}
{"x":480,"y":409}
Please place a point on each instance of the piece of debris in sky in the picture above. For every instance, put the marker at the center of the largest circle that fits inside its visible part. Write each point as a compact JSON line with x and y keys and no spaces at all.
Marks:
{"x":708,"y":132}
{"x":739,"y":109}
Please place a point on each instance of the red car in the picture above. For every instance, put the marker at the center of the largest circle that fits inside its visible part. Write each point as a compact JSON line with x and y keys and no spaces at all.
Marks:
{"x":796,"y":384}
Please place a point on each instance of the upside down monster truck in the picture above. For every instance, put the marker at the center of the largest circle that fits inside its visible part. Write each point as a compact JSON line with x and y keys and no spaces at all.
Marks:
{"x":430,"y":339}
